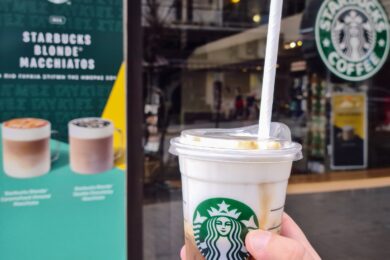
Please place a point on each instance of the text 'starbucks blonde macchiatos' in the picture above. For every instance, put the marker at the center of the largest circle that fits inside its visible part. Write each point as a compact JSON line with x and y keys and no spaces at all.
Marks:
{"x":232,"y":183}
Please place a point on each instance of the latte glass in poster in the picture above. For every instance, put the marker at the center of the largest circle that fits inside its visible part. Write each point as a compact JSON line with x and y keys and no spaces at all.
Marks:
{"x":91,"y":145}
{"x":26,"y":150}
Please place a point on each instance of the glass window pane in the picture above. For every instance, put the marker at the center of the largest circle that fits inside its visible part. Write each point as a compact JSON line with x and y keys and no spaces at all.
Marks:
{"x":203,"y":65}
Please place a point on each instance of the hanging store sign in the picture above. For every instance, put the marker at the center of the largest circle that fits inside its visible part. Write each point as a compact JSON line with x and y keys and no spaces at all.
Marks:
{"x":349,"y":131}
{"x":352,"y":37}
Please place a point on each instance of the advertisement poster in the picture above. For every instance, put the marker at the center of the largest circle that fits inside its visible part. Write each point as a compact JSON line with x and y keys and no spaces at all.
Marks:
{"x":62,"y":103}
{"x":349,"y":131}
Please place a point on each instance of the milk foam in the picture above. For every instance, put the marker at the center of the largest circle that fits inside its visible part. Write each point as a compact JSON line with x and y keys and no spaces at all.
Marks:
{"x":90,"y":133}
{"x":240,"y":143}
{"x":26,"y":134}
{"x":25,"y":123}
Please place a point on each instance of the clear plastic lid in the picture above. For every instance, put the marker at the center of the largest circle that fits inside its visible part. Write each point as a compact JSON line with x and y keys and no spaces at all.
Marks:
{"x":237,"y":143}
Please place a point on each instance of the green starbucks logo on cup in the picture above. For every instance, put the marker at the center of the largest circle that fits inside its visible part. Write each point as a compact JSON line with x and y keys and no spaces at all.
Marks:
{"x":352,"y":37}
{"x":220,"y":226}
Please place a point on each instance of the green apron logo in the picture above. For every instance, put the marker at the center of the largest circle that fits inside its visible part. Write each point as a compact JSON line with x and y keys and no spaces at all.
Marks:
{"x":352,"y":37}
{"x":220,"y":226}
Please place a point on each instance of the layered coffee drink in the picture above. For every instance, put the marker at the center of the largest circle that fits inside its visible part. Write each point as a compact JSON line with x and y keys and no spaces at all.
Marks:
{"x":91,"y":145}
{"x":232,"y":183}
{"x":348,"y":133}
{"x":26,"y":149}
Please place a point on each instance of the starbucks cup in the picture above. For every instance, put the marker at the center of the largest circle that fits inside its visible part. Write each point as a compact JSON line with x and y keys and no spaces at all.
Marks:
{"x":232,"y":183}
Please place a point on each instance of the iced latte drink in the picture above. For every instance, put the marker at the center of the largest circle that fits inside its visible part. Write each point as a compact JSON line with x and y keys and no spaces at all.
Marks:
{"x":232,"y":183}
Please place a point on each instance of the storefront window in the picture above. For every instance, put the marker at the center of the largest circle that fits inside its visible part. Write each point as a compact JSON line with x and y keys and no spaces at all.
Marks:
{"x":203,"y":67}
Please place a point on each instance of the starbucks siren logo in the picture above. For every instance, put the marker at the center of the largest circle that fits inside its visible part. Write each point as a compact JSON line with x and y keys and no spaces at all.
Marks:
{"x":220,"y":226}
{"x":352,"y":37}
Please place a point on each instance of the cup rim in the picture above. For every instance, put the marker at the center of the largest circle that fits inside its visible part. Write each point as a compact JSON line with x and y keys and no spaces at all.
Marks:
{"x":3,"y":124}
{"x":26,"y":134}
{"x":71,"y":122}
{"x":293,"y":152}
{"x":90,"y":133}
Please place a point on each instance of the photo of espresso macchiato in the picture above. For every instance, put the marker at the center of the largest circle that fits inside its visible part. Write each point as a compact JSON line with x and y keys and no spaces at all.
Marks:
{"x":348,"y":133}
{"x":91,"y":145}
{"x":26,"y":149}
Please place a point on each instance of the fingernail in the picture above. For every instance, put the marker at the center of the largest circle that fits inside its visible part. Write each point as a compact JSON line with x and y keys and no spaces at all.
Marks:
{"x":260,"y":240}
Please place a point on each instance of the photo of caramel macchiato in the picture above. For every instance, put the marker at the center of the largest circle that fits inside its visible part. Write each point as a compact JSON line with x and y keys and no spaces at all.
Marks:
{"x":26,"y":149}
{"x":91,"y":145}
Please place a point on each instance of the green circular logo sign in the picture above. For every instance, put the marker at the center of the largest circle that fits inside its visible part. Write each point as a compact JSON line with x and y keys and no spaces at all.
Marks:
{"x":220,"y":226}
{"x":352,"y":37}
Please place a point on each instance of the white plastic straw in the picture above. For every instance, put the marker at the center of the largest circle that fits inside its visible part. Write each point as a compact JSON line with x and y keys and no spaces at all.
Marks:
{"x":271,"y":56}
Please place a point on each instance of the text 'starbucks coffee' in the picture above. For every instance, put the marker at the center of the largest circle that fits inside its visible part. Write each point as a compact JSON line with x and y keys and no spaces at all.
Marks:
{"x":232,"y":183}
{"x":352,"y":37}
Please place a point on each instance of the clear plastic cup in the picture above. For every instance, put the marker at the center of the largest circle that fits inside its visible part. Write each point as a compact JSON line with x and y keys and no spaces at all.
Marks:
{"x":232,"y":183}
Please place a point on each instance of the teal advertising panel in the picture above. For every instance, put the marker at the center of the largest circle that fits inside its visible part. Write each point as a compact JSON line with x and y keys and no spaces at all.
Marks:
{"x":62,"y":115}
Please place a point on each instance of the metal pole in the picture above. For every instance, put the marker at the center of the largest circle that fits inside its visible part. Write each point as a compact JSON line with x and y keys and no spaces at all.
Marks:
{"x":133,"y":60}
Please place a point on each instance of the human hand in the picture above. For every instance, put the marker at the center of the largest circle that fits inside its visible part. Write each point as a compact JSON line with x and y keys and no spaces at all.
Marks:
{"x":292,"y":244}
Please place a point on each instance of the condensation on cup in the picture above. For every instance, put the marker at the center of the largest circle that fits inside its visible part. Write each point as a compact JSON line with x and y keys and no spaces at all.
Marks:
{"x":232,"y":183}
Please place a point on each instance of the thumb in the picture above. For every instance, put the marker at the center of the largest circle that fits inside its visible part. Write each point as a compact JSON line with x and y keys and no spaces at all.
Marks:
{"x":265,"y":245}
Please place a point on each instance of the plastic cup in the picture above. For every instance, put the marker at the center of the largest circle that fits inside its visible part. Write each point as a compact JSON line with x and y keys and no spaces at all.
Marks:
{"x":232,"y":183}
